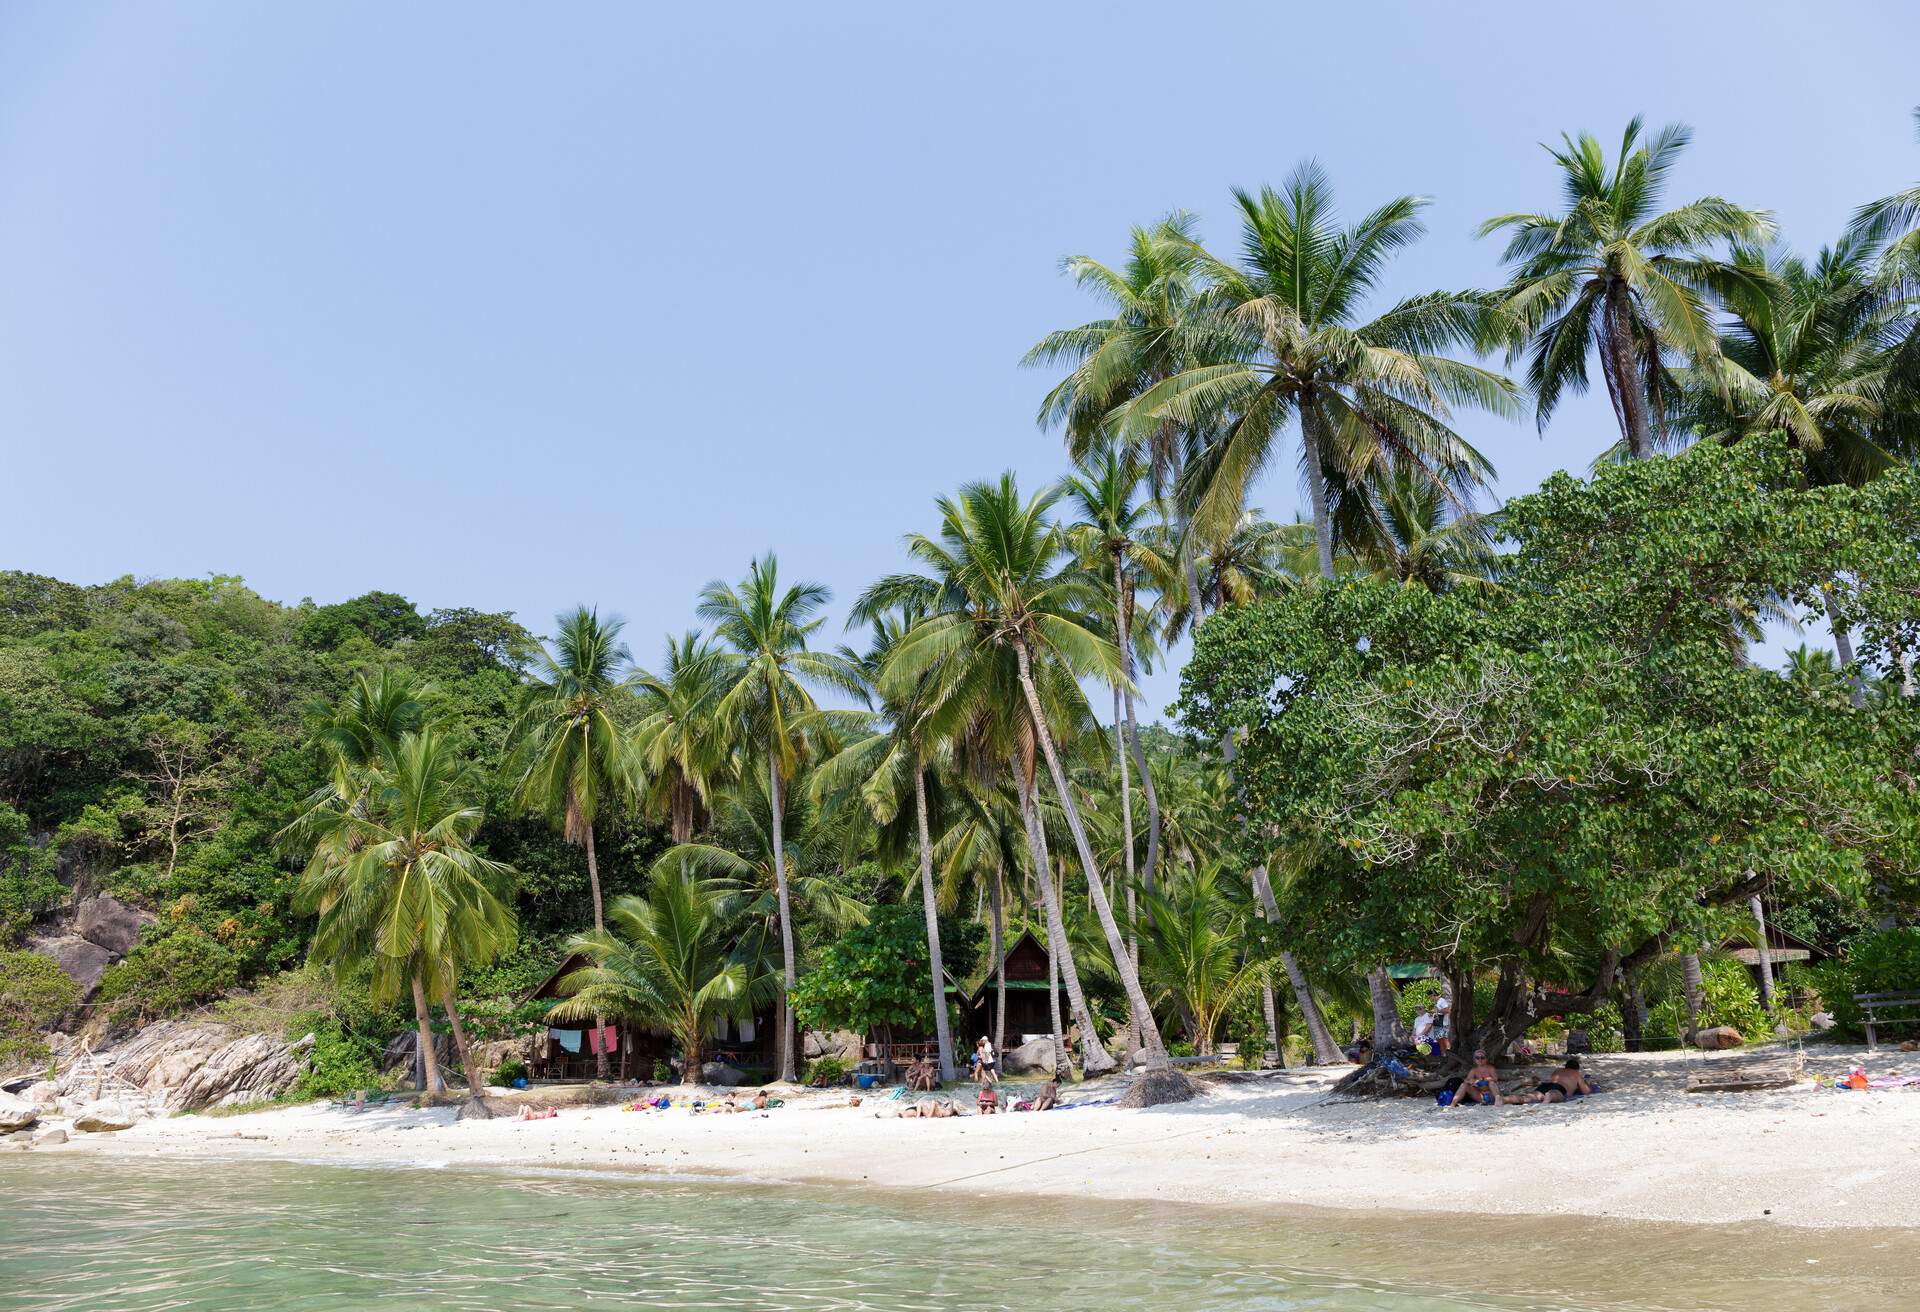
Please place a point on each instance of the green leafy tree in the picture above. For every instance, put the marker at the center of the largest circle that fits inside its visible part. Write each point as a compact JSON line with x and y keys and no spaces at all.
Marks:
{"x":679,"y":738}
{"x":1557,"y":781}
{"x":878,"y":979}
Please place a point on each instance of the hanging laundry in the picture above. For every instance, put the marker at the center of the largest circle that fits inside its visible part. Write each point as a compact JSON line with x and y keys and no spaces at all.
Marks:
{"x":605,"y":1039}
{"x":568,"y":1039}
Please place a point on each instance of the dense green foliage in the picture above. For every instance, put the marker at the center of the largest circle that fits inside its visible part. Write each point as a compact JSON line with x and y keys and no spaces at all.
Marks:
{"x":1887,"y":961}
{"x":876,"y":979}
{"x":33,"y":992}
{"x":1561,"y":776}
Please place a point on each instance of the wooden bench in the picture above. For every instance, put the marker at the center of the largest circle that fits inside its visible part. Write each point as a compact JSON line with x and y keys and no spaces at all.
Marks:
{"x":1873,"y":1003}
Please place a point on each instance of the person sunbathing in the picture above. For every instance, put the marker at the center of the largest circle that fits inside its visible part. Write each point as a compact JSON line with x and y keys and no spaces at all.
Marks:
{"x":1567,"y":1082}
{"x":1049,"y":1097}
{"x":760,"y":1100}
{"x":1481,"y":1084}
{"x":989,"y":1101}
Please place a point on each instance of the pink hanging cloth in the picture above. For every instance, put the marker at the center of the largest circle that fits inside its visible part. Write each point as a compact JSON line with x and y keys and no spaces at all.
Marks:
{"x":606,"y":1039}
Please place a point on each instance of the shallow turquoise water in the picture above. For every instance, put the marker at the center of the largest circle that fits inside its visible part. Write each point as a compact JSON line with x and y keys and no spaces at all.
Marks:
{"x":101,"y":1235}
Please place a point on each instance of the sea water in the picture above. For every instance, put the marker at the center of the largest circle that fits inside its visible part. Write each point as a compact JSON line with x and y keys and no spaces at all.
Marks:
{"x":101,"y":1234}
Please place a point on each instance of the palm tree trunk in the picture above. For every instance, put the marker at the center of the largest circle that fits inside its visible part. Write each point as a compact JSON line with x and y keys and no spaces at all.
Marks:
{"x":429,"y":1059}
{"x":693,"y":1058}
{"x":998,"y":929}
{"x":1325,"y":1051}
{"x":1126,"y":822}
{"x":1386,"y":1014}
{"x":475,"y":1085}
{"x":1129,"y":978}
{"x":1062,"y":1059}
{"x":786,"y":919}
{"x":1132,"y":743}
{"x":1766,"y":956}
{"x":1312,"y":440}
{"x":1273,"y":1053}
{"x":1620,"y":367}
{"x":1094,"y":1058}
{"x":1843,"y":647}
{"x":1693,"y":986}
{"x":942,"y":1033}
{"x":599,"y":927}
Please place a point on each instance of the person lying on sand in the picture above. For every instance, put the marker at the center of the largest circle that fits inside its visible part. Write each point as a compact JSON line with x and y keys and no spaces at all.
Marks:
{"x":541,"y":1114}
{"x":760,"y":1100}
{"x":1481,"y":1084}
{"x":1567,"y":1082}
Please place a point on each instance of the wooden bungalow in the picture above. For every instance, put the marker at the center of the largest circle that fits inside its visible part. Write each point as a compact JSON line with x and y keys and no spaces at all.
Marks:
{"x":565,"y":1051}
{"x":1028,"y":1015}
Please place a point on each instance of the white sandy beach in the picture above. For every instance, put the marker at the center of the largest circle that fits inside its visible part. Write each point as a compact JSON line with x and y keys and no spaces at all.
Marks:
{"x":1643,"y":1149}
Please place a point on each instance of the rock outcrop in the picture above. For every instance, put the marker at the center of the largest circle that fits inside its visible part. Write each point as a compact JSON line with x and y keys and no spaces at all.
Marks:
{"x":186,"y":1065}
{"x":16,"y":1113}
{"x":1035,"y":1058}
{"x":47,"y":1136}
{"x":110,"y":923}
{"x":718,"y":1072}
{"x":96,"y":933}
{"x":841,"y":1045}
{"x":85,"y":963}
{"x":104,"y":1117}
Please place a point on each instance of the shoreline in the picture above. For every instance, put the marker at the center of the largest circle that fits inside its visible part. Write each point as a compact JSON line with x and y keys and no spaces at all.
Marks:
{"x":1641,"y":1151}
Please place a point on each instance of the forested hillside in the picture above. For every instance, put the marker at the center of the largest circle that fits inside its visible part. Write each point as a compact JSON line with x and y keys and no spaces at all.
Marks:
{"x":154,"y":738}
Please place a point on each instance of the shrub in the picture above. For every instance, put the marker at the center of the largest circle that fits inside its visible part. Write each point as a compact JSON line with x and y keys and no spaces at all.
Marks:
{"x":176,"y":971}
{"x":33,"y":993}
{"x":822,"y":1071}
{"x":1887,"y":961}
{"x":510,"y":1070}
{"x":339,"y":1062}
{"x":1730,"y":999}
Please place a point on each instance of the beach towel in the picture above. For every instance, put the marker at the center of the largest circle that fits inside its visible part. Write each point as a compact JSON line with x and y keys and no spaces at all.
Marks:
{"x":568,"y":1039}
{"x":606,"y":1039}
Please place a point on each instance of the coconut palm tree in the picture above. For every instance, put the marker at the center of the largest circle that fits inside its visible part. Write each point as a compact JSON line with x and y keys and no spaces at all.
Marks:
{"x":1807,"y":350}
{"x":567,"y":753}
{"x":1402,"y":529}
{"x":1119,"y":535}
{"x":890,"y":756}
{"x":397,"y":885}
{"x":1892,"y":225}
{"x":1362,"y":391}
{"x":1193,"y":952}
{"x":1614,"y":275}
{"x":1004,"y":555}
{"x":767,"y":674}
{"x":677,"y":741}
{"x":668,"y":960}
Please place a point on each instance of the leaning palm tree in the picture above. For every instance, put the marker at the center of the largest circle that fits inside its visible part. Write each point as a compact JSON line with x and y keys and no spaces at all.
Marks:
{"x":677,"y":741}
{"x":567,"y":752}
{"x":767,"y":674}
{"x":1004,"y":556}
{"x":1299,"y":352}
{"x":669,"y":960}
{"x":1614,"y":275}
{"x":397,"y":885}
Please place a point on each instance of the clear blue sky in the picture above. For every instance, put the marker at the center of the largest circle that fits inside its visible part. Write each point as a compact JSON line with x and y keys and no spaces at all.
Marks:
{"x":516,"y":306}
